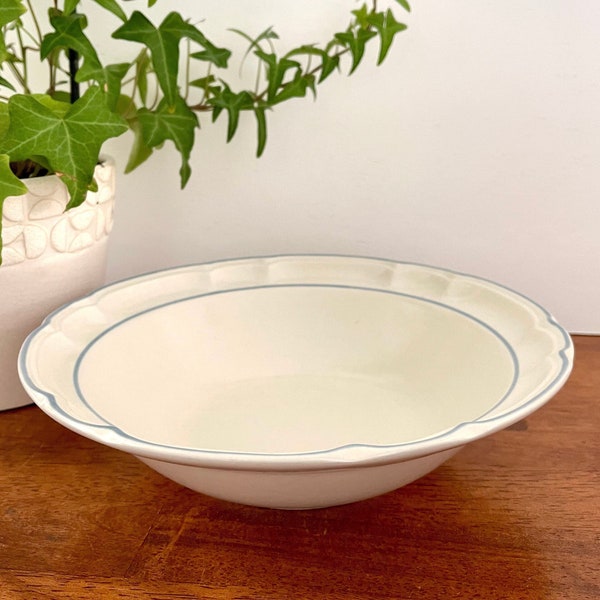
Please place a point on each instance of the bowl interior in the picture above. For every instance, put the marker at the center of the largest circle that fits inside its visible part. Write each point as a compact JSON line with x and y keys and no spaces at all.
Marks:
{"x":294,"y":368}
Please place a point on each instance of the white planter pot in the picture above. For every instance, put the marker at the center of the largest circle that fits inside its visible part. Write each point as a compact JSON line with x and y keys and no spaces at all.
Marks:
{"x":49,"y":257}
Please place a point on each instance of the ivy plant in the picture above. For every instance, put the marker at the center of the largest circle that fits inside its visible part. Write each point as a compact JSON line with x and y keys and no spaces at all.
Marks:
{"x":177,"y":74}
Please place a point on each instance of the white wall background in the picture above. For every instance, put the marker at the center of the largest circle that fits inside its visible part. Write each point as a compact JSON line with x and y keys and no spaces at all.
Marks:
{"x":476,"y":146}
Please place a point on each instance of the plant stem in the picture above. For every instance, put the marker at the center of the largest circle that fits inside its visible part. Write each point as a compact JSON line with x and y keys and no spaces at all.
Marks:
{"x":19,"y":77}
{"x":36,"y":23}
{"x":156,"y":97}
{"x":23,"y":58}
{"x":201,"y":107}
{"x":258,"y":77}
{"x":188,"y":60}
{"x":313,"y":72}
{"x":206,"y":85}
{"x":38,"y":29}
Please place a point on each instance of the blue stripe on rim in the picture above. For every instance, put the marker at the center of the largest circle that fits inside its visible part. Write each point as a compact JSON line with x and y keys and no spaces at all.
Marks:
{"x":566,"y":363}
{"x":118,"y":430}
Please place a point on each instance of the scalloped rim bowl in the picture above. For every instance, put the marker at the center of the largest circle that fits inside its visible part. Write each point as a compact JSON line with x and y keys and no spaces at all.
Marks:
{"x":295,"y":381}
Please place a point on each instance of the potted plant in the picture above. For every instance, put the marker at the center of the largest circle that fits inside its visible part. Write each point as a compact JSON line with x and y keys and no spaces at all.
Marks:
{"x":56,"y":187}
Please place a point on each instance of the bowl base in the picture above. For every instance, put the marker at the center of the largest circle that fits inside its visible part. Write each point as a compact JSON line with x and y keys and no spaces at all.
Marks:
{"x":300,"y":490}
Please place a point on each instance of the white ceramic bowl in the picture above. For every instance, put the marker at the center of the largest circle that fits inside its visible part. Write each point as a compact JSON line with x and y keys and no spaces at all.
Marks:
{"x":295,"y":381}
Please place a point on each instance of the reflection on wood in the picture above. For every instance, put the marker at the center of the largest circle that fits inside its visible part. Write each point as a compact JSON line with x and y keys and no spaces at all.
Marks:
{"x":513,"y":516}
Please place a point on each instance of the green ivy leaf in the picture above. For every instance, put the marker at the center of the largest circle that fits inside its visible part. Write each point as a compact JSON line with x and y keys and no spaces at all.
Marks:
{"x":387,"y":27}
{"x":3,"y":119}
{"x":163,"y":43}
{"x":61,"y":96}
{"x":261,"y":122}
{"x":178,"y":28}
{"x":276,"y":71}
{"x":139,"y":151}
{"x":355,"y":42}
{"x":4,"y":53}
{"x":233,"y":103}
{"x":69,"y":140}
{"x":404,"y":4}
{"x":163,"y":46}
{"x":296,"y":88}
{"x":328,"y":63}
{"x":254,"y":43}
{"x":113,"y":7}
{"x":171,"y":121}
{"x":7,"y":84}
{"x":113,"y":75}
{"x":10,"y":185}
{"x":203,"y":82}
{"x":362,"y":15}
{"x":142,"y":66}
{"x":68,"y":35}
{"x":218,"y":56}
{"x":70,"y":6}
{"x":11,"y":10}
{"x":57,"y":106}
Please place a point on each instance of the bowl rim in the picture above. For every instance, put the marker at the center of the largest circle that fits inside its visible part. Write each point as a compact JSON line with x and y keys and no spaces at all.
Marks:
{"x":346,"y":456}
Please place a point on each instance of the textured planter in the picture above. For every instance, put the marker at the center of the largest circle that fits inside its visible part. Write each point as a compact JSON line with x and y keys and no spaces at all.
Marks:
{"x":49,"y":257}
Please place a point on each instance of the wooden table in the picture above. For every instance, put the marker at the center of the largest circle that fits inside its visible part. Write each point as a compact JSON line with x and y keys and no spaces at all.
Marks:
{"x":516,"y":515}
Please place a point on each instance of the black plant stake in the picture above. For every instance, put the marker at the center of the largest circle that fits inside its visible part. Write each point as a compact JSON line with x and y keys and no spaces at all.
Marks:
{"x":73,"y":68}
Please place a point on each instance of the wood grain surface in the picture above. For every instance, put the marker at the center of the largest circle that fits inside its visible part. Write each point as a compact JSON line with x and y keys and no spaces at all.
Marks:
{"x":513,"y":516}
